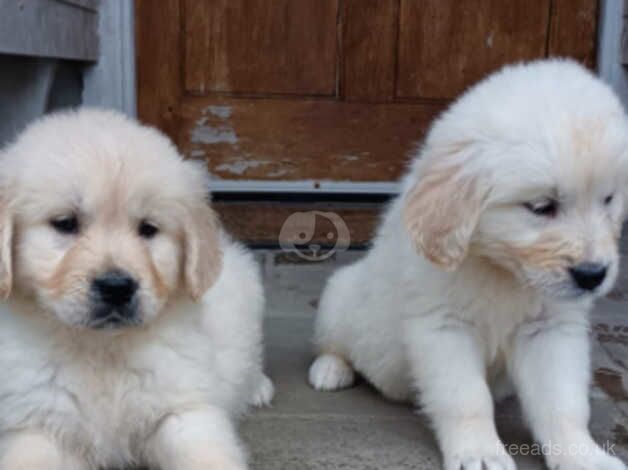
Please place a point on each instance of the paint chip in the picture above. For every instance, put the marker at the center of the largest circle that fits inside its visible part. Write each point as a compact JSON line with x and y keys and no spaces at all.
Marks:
{"x":239,"y":167}
{"x":223,"y":112}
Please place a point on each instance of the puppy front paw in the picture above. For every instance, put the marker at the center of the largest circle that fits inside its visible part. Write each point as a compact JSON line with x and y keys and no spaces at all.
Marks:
{"x":480,"y":459}
{"x":264,"y":392}
{"x":330,"y":372}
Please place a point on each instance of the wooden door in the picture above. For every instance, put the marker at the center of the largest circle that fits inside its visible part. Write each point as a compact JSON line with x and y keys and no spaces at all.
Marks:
{"x":327,"y":94}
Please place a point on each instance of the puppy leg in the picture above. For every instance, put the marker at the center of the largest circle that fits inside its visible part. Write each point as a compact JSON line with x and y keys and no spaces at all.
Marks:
{"x":550,"y":367}
{"x":448,"y":369}
{"x":32,"y":450}
{"x":264,"y":391}
{"x":331,"y":372}
{"x":203,"y":439}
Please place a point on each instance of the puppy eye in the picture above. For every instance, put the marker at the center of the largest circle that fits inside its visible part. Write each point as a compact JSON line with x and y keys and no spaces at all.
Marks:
{"x":608,"y":199}
{"x":544,"y":208}
{"x":67,"y":225}
{"x":147,"y":230}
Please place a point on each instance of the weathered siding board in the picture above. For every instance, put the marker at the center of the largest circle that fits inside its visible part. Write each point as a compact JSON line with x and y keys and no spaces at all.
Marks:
{"x":51,"y":29}
{"x":302,"y":139}
{"x":257,"y":46}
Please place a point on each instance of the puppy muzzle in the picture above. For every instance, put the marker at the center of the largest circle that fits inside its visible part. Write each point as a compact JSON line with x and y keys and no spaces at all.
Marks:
{"x":114,"y":302}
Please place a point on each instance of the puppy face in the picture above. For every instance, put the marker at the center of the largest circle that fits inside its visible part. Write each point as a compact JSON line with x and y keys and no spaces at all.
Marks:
{"x":557,"y":228}
{"x":530,"y":176}
{"x":102,"y":222}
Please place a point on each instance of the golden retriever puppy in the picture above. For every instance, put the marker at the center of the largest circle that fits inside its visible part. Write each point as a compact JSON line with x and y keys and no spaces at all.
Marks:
{"x":484,"y":270}
{"x":130,"y":331}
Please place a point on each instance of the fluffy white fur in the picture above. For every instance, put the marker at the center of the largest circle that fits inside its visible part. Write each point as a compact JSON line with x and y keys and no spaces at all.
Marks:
{"x":466,"y":290}
{"x":164,"y":391}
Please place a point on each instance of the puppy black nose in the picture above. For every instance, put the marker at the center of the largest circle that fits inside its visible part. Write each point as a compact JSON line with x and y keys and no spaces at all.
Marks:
{"x":588,"y":275}
{"x":115,"y":287}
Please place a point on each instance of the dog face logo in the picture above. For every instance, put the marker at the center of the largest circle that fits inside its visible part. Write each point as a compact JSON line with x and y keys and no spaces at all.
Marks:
{"x":298,"y":231}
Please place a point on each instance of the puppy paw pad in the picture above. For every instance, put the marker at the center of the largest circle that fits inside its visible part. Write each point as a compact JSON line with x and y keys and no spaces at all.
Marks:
{"x":330,"y":372}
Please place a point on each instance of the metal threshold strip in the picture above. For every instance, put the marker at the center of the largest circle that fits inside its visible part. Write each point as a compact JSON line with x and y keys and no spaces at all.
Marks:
{"x":304,"y":186}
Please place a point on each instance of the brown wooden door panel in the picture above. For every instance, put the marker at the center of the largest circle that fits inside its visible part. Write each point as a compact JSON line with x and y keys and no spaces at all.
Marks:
{"x":369,"y":32}
{"x":261,"y":46}
{"x":445,"y":45}
{"x":573,"y":30}
{"x":270,"y":139}
{"x":158,"y":57}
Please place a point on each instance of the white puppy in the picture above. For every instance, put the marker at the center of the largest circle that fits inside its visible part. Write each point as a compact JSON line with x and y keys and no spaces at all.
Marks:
{"x":131,"y":329}
{"x":485,"y":268}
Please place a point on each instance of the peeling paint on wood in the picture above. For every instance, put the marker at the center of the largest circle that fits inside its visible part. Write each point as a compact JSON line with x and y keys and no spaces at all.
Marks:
{"x":223,"y":112}
{"x":204,"y":134}
{"x":302,"y":139}
{"x":213,"y":128}
{"x":239,"y":167}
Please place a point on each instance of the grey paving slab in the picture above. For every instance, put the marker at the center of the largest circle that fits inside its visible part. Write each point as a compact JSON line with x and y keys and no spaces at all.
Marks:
{"x":338,"y":442}
{"x":293,"y":285}
{"x":289,"y":357}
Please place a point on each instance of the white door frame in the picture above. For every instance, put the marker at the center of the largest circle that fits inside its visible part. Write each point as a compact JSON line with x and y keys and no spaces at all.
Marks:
{"x":609,"y":57}
{"x":110,"y":83}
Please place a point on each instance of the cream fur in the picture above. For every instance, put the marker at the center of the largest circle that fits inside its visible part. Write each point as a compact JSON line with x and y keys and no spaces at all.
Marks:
{"x":465,"y":289}
{"x":164,"y":392}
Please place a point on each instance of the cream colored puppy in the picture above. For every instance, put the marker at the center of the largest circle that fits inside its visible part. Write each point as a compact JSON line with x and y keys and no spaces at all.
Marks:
{"x":130,"y":332}
{"x":485,"y":268}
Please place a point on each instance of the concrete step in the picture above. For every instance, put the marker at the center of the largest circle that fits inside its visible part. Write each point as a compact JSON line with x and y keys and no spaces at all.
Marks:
{"x":356,"y":429}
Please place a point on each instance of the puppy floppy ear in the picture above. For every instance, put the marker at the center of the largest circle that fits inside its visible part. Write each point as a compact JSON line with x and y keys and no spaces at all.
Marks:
{"x":202,"y":253}
{"x":6,"y":239}
{"x":443,"y":207}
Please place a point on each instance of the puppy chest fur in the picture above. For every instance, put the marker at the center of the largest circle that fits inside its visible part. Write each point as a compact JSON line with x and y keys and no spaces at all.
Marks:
{"x":106,"y":396}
